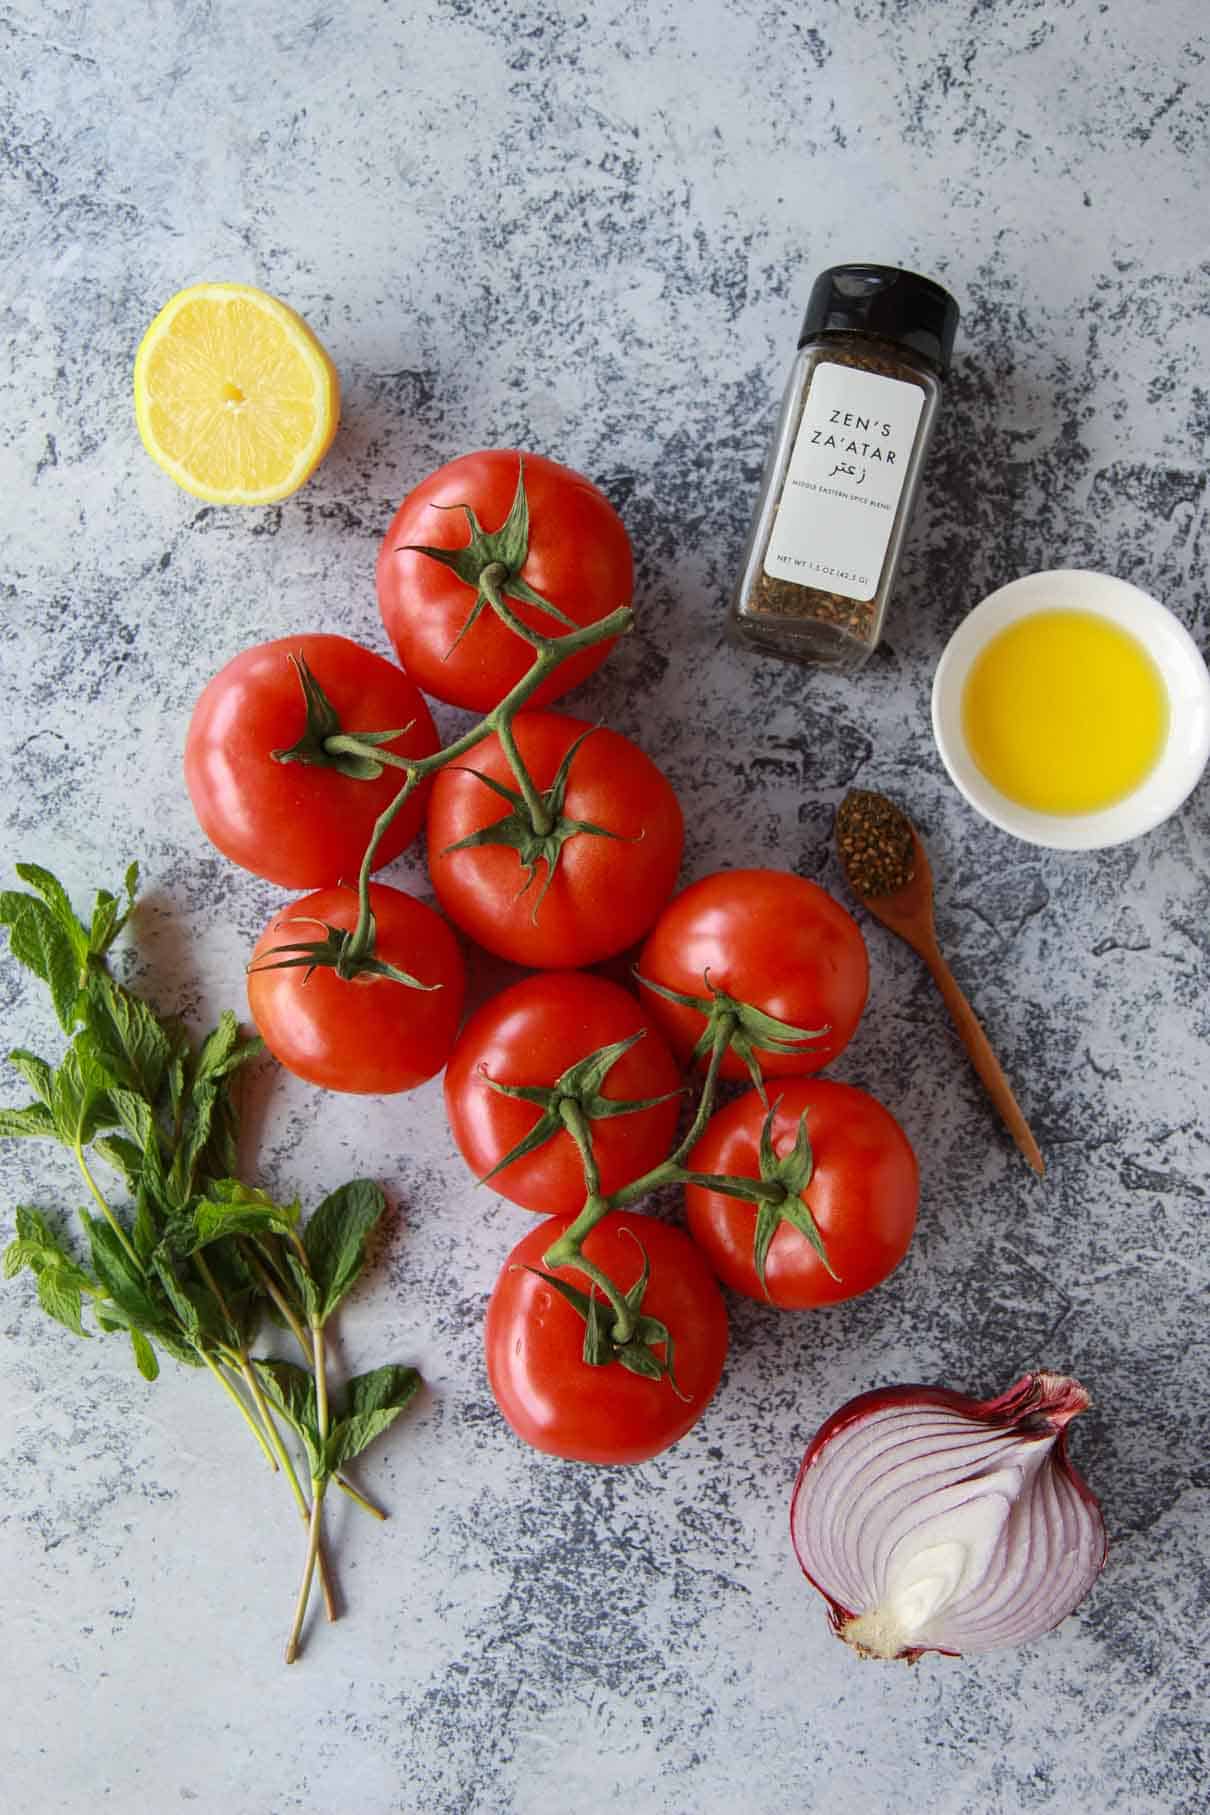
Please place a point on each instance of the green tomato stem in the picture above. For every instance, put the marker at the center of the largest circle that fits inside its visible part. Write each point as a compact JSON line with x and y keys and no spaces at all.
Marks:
{"x":577,"y":1126}
{"x":623,"y":1316}
{"x":492,"y":581}
{"x":568,"y":1251}
{"x":540,"y":814}
{"x":550,"y":652}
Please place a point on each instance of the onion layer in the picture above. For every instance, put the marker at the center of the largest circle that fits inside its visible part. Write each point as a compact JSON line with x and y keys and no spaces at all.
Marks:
{"x":934,"y":1522}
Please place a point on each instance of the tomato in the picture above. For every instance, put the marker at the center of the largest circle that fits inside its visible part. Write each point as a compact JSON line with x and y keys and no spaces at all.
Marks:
{"x":299,"y":824}
{"x":606,"y":890}
{"x":531,"y":1035}
{"x":768,"y":938}
{"x":368,"y":1034}
{"x":579,"y":560}
{"x":552,"y":1397}
{"x":863,"y":1194}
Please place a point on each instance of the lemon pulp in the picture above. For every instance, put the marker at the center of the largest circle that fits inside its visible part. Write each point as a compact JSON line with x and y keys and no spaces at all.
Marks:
{"x":235,"y":397}
{"x":1064,"y":712}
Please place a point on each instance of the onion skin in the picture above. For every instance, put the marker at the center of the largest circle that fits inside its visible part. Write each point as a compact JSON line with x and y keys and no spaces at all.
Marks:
{"x":1036,"y":1409}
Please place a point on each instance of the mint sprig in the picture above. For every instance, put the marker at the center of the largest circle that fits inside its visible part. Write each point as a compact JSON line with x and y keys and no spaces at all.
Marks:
{"x":184,"y":1258}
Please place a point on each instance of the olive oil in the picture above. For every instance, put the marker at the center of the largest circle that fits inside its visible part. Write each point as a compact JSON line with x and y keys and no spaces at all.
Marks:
{"x":1065,"y":712}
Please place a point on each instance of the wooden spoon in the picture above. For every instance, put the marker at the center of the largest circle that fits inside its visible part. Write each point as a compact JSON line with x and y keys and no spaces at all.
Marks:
{"x":908,"y":911}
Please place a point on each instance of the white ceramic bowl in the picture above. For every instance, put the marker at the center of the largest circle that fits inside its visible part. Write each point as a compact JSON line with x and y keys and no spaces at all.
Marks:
{"x":1176,"y":655}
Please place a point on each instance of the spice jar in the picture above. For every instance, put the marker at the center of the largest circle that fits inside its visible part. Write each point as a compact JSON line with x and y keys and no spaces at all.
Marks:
{"x":845,"y":466}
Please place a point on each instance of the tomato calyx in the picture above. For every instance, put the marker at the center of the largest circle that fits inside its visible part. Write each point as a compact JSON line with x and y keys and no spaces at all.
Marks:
{"x":350,"y":956}
{"x":535,"y":826}
{"x":491,"y":562}
{"x":636,"y":1349}
{"x":572,"y":1102}
{"x":777,"y":1194}
{"x":355,"y":757}
{"x":752,"y":1030}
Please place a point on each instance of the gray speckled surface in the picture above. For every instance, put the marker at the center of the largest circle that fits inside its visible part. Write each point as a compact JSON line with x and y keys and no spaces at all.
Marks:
{"x":590,"y":230}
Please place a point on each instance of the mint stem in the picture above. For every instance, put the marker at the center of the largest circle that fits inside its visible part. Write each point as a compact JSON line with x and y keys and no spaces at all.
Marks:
{"x":284,"y":1457}
{"x":106,"y":1212}
{"x":318,"y":1488}
{"x":304,"y":1592}
{"x":244,"y":1413}
{"x":304,"y":1342}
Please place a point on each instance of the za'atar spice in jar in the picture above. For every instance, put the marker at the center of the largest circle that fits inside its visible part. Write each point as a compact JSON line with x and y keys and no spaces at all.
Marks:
{"x":845,"y":466}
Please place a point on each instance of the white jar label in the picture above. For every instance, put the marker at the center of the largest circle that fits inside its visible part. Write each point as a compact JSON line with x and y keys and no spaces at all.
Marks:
{"x":843,"y":483}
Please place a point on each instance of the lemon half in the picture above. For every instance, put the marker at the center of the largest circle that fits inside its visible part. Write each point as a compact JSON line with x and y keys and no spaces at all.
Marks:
{"x":233,"y":394}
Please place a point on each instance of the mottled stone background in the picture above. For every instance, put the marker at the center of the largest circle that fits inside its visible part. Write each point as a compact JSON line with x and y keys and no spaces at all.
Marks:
{"x":590,"y":230}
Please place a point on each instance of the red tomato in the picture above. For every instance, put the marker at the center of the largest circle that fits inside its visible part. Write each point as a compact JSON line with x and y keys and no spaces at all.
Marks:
{"x":550,"y":1395}
{"x":579,"y":560}
{"x":606,"y":890}
{"x":863,"y":1194}
{"x":532,"y":1034}
{"x":298,"y":824}
{"x":367,"y":1034}
{"x":769,"y":938}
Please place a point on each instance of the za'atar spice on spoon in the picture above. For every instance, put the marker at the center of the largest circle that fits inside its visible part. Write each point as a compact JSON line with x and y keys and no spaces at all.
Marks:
{"x":874,"y":839}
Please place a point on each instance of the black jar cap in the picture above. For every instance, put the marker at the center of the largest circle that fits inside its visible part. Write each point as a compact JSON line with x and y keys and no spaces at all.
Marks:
{"x":882,"y":300}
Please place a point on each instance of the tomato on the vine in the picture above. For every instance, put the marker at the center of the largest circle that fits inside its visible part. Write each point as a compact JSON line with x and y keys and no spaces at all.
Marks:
{"x":768,"y":939}
{"x":558,"y":1402}
{"x":540,"y":1034}
{"x":614,"y":841}
{"x":302,"y":822}
{"x":367,"y":1033}
{"x":862,"y":1194}
{"x":574,"y":554}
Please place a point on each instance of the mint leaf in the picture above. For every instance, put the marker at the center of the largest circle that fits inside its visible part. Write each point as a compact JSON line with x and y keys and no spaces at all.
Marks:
{"x":105,"y":925}
{"x":144,"y":1355}
{"x":36,"y":1072}
{"x":375,"y":1401}
{"x":21,"y":1254}
{"x":292,"y":1390}
{"x":335,"y":1240}
{"x":307,"y":1289}
{"x":383,"y":1389}
{"x":107,"y":918}
{"x":35,"y":1121}
{"x":79,"y":1093}
{"x":39,"y":943}
{"x":55,"y":896}
{"x":122,"y":1155}
{"x":122,"y":1279}
{"x":37,"y":1245}
{"x":186,"y":1310}
{"x":128,"y":1036}
{"x":233,"y":1193}
{"x":135,"y":1116}
{"x":213,"y":1220}
{"x":225,"y":1050}
{"x":61,"y":1298}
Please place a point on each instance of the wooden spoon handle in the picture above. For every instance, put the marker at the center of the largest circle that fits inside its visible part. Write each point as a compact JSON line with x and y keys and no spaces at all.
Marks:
{"x":984,"y":1059}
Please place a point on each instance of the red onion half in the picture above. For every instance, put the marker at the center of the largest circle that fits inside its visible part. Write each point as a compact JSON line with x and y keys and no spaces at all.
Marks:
{"x":934,"y":1522}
